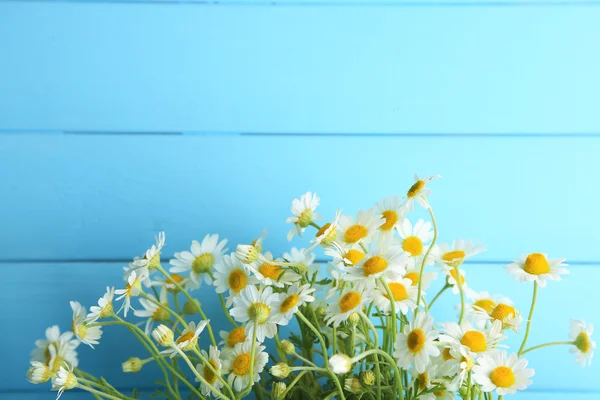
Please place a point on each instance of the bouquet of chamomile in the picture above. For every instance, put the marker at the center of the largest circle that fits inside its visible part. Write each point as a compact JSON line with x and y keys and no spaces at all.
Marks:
{"x":360,"y":327}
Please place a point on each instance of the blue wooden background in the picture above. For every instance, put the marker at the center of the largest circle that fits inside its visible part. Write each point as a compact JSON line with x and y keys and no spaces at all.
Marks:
{"x":121,"y":119}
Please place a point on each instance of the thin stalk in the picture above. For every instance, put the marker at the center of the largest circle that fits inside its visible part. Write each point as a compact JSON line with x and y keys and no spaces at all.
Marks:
{"x":226,"y":311}
{"x":539,"y":346}
{"x":185,"y":358}
{"x":435,"y":234}
{"x":533,"y":300}
{"x":99,"y":393}
{"x":167,"y":309}
{"x":437,"y":296}
{"x":462,"y":293}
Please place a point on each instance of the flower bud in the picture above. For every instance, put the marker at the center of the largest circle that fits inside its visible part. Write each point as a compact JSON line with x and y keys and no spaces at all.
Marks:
{"x":368,"y":377}
{"x":246,"y":253}
{"x":163,"y":335}
{"x":190,"y":308}
{"x":134,"y":364}
{"x":277,"y":390}
{"x":321,"y":312}
{"x":38,"y":373}
{"x":340,"y":364}
{"x":288,"y":347}
{"x":354,"y":319}
{"x":280,"y":370}
{"x":352,"y":385}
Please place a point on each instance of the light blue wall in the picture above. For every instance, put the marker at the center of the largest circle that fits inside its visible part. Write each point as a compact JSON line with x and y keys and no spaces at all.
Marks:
{"x":118,"y":120}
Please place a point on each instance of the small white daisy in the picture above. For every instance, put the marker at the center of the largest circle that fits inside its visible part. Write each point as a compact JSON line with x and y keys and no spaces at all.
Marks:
{"x":502,"y":373}
{"x":416,"y":344}
{"x":231,"y":275}
{"x":39,"y":373}
{"x":583,"y":345}
{"x":270,"y":272}
{"x":153,"y":312}
{"x":479,"y":341}
{"x":327,"y":235}
{"x":201,"y":259}
{"x":64,"y":379}
{"x":86,"y":333}
{"x":404,"y":293}
{"x":188,"y":338}
{"x":56,"y":346}
{"x":132,"y":288}
{"x":345,"y":257}
{"x":303,"y":211}
{"x":302,"y":260}
{"x":418,"y":192}
{"x":361,"y":229}
{"x":382,"y":260}
{"x":340,"y":364}
{"x":451,"y":255}
{"x":173,"y":280}
{"x":104,"y":307}
{"x":231,"y":338}
{"x":238,"y":362}
{"x":151,"y":258}
{"x":504,"y":312}
{"x":413,"y":271}
{"x":536,"y":267}
{"x":391,"y":210}
{"x":451,"y":278}
{"x":289,"y":302}
{"x":341,"y":305}
{"x":256,"y":308}
{"x":414,"y":240}
{"x":213,"y":357}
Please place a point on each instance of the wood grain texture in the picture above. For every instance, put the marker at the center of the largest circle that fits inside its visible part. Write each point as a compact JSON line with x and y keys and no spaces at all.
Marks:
{"x":237,"y":68}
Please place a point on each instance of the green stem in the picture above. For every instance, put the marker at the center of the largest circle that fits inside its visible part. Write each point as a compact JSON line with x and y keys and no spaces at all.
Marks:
{"x":214,"y":371}
{"x":392,"y":363}
{"x":251,"y":373}
{"x":198,"y":374}
{"x":539,"y":346}
{"x":99,"y":393}
{"x":533,"y":300}
{"x":167,"y":309}
{"x":462,"y":293}
{"x":437,"y":296}
{"x":435,"y":234}
{"x":285,"y":392}
{"x":226,"y":311}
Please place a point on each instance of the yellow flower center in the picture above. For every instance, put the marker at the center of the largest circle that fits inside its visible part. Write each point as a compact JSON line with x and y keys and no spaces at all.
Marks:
{"x":305,"y":218}
{"x":270,"y":271}
{"x":414,"y":278}
{"x":502,"y":377}
{"x":415,"y":340}
{"x":289,"y":303}
{"x":79,"y":330}
{"x":172,"y":280}
{"x":502,"y":311}
{"x":453,"y":274}
{"x":374,"y":265}
{"x":330,"y":236}
{"x":582,"y":342}
{"x":349,"y":301}
{"x":485,"y":304}
{"x":474,"y":340}
{"x":398,"y":291}
{"x":57,"y":363}
{"x":439,"y":393}
{"x":416,"y":188}
{"x":203,"y":263}
{"x":355,"y":233}
{"x":413,"y":245}
{"x":187,"y":336}
{"x":391,"y":218}
{"x":536,"y":264}
{"x":237,"y":280}
{"x":423,"y":380}
{"x":238,"y":335}
{"x":241,"y":364}
{"x":259,"y":312}
{"x":160,"y":314}
{"x":453,"y":255}
{"x":446,"y":354}
{"x":210,"y":376}
{"x":354,"y":256}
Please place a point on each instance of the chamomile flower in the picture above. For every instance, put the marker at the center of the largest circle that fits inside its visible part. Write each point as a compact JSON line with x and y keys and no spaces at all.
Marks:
{"x":188,"y":338}
{"x":428,"y":379}
{"x":173,"y":280}
{"x":341,"y":305}
{"x":231,"y":338}
{"x":213,"y":357}
{"x":86,"y":333}
{"x":403,"y":292}
{"x":361,"y":229}
{"x":151,"y":258}
{"x":326,"y":235}
{"x":413,"y":272}
{"x":414,"y":239}
{"x":39,"y":373}
{"x":504,"y":312}
{"x":452,"y":280}
{"x":292,"y":299}
{"x":502,"y":373}
{"x":153,"y":312}
{"x":104,"y":307}
{"x":345,"y":257}
{"x":418,"y":192}
{"x":270,"y":272}
{"x":201,"y":259}
{"x":536,"y":267}
{"x":132,"y":288}
{"x":416,"y":344}
{"x":391,"y":210}
{"x":340,"y":364}
{"x":481,"y":304}
{"x":451,"y":255}
{"x":583,"y":345}
{"x":302,"y":260}
{"x":303,"y":211}
{"x":478,"y":341}
{"x":231,"y":275}
{"x":59,"y":346}
{"x":382,"y":261}
{"x":237,"y":362}
{"x":256,"y":309}
{"x":64,"y":379}
{"x":458,"y":361}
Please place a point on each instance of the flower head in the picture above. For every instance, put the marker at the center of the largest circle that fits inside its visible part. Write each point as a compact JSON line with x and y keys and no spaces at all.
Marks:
{"x":502,"y":373}
{"x":232,"y":276}
{"x":104,"y":307}
{"x":237,"y":362}
{"x":340,"y":364}
{"x":153,"y":312}
{"x":64,"y":379}
{"x":86,"y":332}
{"x":341,"y":305}
{"x":451,"y":255}
{"x":303,"y":211}
{"x":201,"y":260}
{"x":39,"y":373}
{"x":418,"y":192}
{"x":210,"y":370}
{"x":536,"y":267}
{"x":133,"y":288}
{"x":361,"y":229}
{"x":416,"y":343}
{"x":583,"y":345}
{"x":256,"y":309}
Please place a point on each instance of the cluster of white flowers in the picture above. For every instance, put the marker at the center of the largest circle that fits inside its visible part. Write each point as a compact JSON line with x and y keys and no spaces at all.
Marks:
{"x":361,"y":326}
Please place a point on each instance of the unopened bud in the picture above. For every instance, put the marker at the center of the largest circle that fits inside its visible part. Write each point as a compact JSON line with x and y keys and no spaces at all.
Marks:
{"x":288,"y":347}
{"x":280,"y":370}
{"x":163,"y":335}
{"x":246,"y":253}
{"x":190,"y":308}
{"x":278,"y":389}
{"x":38,"y":373}
{"x":352,"y":385}
{"x":354,"y":319}
{"x":134,"y":364}
{"x":368,"y":377}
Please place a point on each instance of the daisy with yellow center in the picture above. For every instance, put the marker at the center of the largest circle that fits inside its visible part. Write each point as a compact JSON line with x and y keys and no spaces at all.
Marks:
{"x":428,"y":379}
{"x":327,"y":235}
{"x":171,"y":282}
{"x":213,"y":357}
{"x":302,"y":261}
{"x":257,"y":309}
{"x":104,"y":307}
{"x":481,"y":304}
{"x":454,"y":254}
{"x":416,"y":344}
{"x":413,"y":273}
{"x":188,"y":338}
{"x":133,"y":288}
{"x":153,"y":312}
{"x":502,"y":373}
{"x":231,"y":338}
{"x":452,"y":278}
{"x":231,"y":275}
{"x":418,"y":192}
{"x":201,"y":260}
{"x":151,"y":258}
{"x":536,"y":267}
{"x":289,"y":302}
{"x":504,"y":312}
{"x":477,"y":341}
{"x":361,"y":229}
{"x":64,"y":379}
{"x":404,"y":293}
{"x":583,"y":345}
{"x":86,"y":333}
{"x":391,"y":210}
{"x":237,"y":362}
{"x":382,"y":260}
{"x":341,"y":305}
{"x":56,"y":349}
{"x":303,"y":210}
{"x":273,"y":272}
{"x":414,"y":240}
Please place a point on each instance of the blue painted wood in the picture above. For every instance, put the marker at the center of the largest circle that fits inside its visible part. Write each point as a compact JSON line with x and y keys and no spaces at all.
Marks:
{"x":189,"y":67}
{"x":105,"y":197}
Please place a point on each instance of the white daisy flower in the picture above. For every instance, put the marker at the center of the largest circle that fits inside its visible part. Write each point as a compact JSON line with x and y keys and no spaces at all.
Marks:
{"x":360,"y":229}
{"x":56,"y":349}
{"x":502,"y":373}
{"x":270,"y":272}
{"x":151,"y":258}
{"x":451,"y":255}
{"x":428,"y":379}
{"x":231,"y":338}
{"x":583,"y":345}
{"x":481,"y":304}
{"x":504,"y":312}
{"x":415,"y":345}
{"x":213,"y":357}
{"x":537,"y":267}
{"x":413,"y":271}
{"x":39,"y":373}
{"x":457,"y":362}
{"x":345,"y":257}
{"x":188,"y":338}
{"x":256,"y":308}
{"x":104,"y":307}
{"x":132,"y":288}
{"x":231,"y":275}
{"x":153,"y":312}
{"x":303,"y":213}
{"x":479,"y":341}
{"x":327,"y":235}
{"x":289,"y":302}
{"x":403,"y":292}
{"x":391,"y":210}
{"x":414,"y":240}
{"x":302,"y":260}
{"x":381,"y":261}
{"x":237,"y":362}
{"x":173,"y":280}
{"x":341,"y":305}
{"x":418,"y":192}
{"x":86,"y":333}
{"x":451,"y":278}
{"x":201,"y":259}
{"x":64,"y":379}
{"x":340,"y":364}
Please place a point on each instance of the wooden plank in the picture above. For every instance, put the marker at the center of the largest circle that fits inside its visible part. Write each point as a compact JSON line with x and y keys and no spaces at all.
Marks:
{"x":51,"y":286}
{"x":105,"y":197}
{"x":304,"y":69}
